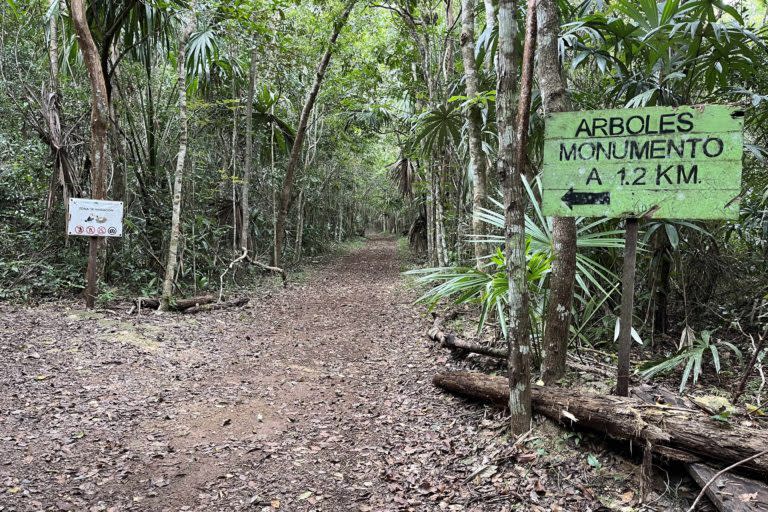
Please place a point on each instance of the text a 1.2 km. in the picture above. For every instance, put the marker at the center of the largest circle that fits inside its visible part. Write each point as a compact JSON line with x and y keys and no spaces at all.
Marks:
{"x":682,"y":162}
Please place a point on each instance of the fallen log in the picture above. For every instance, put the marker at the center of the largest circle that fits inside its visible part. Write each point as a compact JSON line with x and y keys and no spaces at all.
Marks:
{"x":663,"y":427}
{"x":450,"y":342}
{"x":729,"y":492}
{"x":178,"y":305}
{"x":216,"y":306}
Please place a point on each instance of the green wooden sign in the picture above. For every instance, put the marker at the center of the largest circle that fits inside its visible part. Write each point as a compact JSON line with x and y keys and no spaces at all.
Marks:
{"x":681,"y":163}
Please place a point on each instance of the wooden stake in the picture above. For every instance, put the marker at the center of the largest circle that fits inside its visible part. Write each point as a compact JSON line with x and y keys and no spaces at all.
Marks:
{"x":627,"y":305}
{"x":91,"y":276}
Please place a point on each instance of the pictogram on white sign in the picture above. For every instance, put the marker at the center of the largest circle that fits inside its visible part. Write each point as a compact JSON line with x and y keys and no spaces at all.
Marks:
{"x":91,"y":217}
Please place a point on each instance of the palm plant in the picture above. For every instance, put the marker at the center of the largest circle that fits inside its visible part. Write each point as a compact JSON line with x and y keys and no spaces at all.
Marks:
{"x":692,"y":356}
{"x":488,"y":286}
{"x":439,"y":127}
{"x":590,"y":234}
{"x":657,"y":51}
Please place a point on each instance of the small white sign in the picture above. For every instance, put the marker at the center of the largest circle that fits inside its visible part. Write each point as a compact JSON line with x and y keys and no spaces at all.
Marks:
{"x":91,"y":217}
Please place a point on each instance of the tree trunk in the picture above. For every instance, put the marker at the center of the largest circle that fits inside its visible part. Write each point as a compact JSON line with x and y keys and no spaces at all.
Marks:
{"x":99,"y":125}
{"x":173,"y":245}
{"x":429,"y":202}
{"x":290,"y":170}
{"x":477,"y":160}
{"x":561,"y":281}
{"x":558,"y":315}
{"x":440,"y":242}
{"x":667,"y":429}
{"x":233,"y":173}
{"x":490,"y":24}
{"x":519,"y":358}
{"x":248,"y":164}
{"x":299,"y":229}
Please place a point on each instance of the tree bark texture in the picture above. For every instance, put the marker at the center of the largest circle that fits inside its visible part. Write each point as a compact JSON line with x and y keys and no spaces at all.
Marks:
{"x":99,"y":125}
{"x":173,"y":245}
{"x":290,"y":170}
{"x":554,"y":94}
{"x":299,"y":229}
{"x":519,"y":358}
{"x":490,"y":24}
{"x":526,"y":88}
{"x":668,"y":429}
{"x":477,"y":160}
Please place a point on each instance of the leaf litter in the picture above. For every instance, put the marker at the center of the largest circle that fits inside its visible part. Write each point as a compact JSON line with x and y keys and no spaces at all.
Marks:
{"x":318,"y":397}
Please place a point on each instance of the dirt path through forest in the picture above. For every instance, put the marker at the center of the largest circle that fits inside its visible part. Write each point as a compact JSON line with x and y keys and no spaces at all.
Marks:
{"x":317,"y":397}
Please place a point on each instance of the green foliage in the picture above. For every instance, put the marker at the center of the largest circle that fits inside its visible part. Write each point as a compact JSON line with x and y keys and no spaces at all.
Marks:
{"x":439,"y":128}
{"x":488,"y":287}
{"x":591,"y":235}
{"x":691,"y":357}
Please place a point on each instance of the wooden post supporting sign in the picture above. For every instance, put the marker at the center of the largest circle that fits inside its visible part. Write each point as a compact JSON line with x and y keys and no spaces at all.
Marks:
{"x":627,"y":305}
{"x":660,"y":162}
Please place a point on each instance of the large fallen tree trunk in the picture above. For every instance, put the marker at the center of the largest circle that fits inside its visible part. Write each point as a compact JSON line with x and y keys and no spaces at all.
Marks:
{"x":667,"y":430}
{"x":179,"y":305}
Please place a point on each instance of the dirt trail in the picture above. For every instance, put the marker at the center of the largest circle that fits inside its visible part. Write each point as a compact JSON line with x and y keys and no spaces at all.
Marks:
{"x":317,"y":397}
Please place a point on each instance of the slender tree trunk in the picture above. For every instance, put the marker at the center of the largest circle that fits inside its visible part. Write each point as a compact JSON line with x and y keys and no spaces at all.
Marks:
{"x":448,"y":55}
{"x":99,"y":125}
{"x":273,"y":186}
{"x":290,"y":170}
{"x":477,"y":159}
{"x":440,"y":242}
{"x":233,"y":174}
{"x":173,"y":246}
{"x":526,"y":88}
{"x":299,"y":228}
{"x":248,"y":164}
{"x":428,"y":203}
{"x":490,"y":24}
{"x":561,"y":281}
{"x":519,"y":358}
